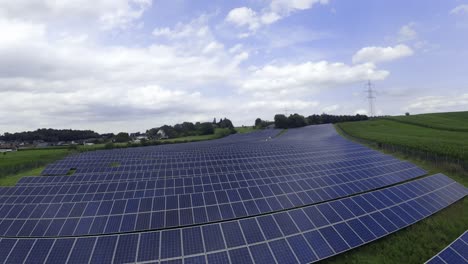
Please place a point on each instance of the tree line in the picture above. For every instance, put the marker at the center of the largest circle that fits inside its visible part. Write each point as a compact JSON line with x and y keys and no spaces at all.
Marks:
{"x":50,"y":135}
{"x":186,"y":129}
{"x":296,"y":120}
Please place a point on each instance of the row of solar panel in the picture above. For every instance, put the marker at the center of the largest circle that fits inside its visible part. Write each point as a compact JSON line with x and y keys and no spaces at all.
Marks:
{"x":241,"y":179}
{"x":296,"y":159}
{"x":191,"y":162}
{"x":215,"y":151}
{"x":243,"y":149}
{"x":302,"y":158}
{"x":302,"y":235}
{"x":194,"y":185}
{"x":122,"y":176}
{"x":224,"y":156}
{"x":143,"y":214}
{"x":189,"y":171}
{"x":455,"y":253}
{"x":245,"y":189}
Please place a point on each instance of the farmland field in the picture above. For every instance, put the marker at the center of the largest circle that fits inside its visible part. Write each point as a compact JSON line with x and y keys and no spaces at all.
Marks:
{"x":443,"y":142}
{"x":454,"y":121}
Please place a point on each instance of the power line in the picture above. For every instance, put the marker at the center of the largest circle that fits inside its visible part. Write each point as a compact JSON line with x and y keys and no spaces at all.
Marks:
{"x":370,"y":97}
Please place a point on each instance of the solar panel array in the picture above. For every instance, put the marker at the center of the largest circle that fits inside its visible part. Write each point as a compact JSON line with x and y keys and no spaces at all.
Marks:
{"x":300,"y":235}
{"x":300,"y":197}
{"x":455,"y":253}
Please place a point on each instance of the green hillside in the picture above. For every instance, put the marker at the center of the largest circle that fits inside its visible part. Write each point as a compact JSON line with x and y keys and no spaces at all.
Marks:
{"x":438,"y":141}
{"x":454,"y":121}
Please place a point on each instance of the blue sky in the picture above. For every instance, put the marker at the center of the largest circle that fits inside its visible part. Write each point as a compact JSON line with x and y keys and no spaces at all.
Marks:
{"x":129,"y":65}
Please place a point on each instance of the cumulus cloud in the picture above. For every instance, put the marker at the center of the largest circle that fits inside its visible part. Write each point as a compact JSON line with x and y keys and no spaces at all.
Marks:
{"x":382,"y":54}
{"x":459,"y":10}
{"x":73,"y":76}
{"x":439,"y":103}
{"x":244,"y":16}
{"x":108,"y":14}
{"x":306,"y":78}
{"x":277,"y":9}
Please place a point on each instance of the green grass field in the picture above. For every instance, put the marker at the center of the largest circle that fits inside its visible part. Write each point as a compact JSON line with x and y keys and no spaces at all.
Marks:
{"x":443,"y":142}
{"x":419,"y":242}
{"x":245,"y":129}
{"x":455,"y":121}
{"x":12,"y":163}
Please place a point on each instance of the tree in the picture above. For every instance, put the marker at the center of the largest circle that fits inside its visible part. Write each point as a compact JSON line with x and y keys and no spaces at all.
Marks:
{"x":258,"y":122}
{"x":296,"y":120}
{"x":122,"y":137}
{"x":206,"y":128}
{"x":281,"y":121}
{"x":225,"y":123}
{"x":407,"y":114}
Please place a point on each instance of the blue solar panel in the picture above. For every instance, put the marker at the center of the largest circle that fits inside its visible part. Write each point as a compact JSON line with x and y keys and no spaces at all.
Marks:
{"x":218,"y":202}
{"x":243,"y":240}
{"x":456,"y":252}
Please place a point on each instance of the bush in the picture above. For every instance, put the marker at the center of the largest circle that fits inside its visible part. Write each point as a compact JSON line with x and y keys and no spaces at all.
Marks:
{"x":109,"y":145}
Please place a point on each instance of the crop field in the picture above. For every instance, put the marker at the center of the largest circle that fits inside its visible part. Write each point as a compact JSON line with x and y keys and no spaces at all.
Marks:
{"x":442,"y":142}
{"x":419,"y":242}
{"x":454,"y":121}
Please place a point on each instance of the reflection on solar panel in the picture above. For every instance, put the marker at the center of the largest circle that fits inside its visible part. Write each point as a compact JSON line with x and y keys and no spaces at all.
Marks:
{"x":300,"y":197}
{"x":456,"y":252}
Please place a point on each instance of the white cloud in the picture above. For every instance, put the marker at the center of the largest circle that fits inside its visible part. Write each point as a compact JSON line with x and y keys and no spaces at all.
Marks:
{"x":277,"y":9}
{"x":47,"y":79}
{"x":307,"y":78}
{"x":331,"y":109}
{"x":361,"y":112}
{"x":459,"y":10}
{"x":407,"y":33}
{"x":285,"y":7}
{"x":244,"y":16}
{"x":382,"y":54}
{"x":439,"y":103}
{"x":108,"y":14}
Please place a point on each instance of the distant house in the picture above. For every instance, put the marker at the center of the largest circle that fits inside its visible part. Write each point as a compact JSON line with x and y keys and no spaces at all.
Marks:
{"x":162,"y":134}
{"x":42,"y":144}
{"x":138,"y":139}
{"x":142,"y":137}
{"x":7,"y":147}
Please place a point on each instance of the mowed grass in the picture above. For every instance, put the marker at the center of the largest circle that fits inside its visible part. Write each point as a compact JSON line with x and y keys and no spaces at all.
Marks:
{"x":13,"y":179}
{"x":17,"y":161}
{"x":418,"y":242}
{"x":454,"y":121}
{"x":442,"y":142}
{"x":245,"y":129}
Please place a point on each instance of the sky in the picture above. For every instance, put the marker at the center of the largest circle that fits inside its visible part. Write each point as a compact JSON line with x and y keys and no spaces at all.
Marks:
{"x":130,"y":65}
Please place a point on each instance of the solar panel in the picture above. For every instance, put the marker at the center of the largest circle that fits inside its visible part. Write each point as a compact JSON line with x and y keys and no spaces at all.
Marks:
{"x":456,"y":252}
{"x":252,"y":240}
{"x":301,"y":197}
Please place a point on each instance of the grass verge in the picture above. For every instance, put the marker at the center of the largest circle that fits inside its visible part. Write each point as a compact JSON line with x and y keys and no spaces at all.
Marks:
{"x":11,"y":180}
